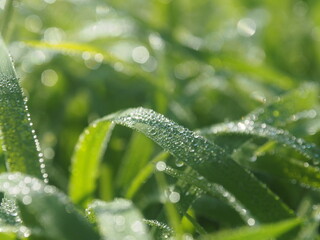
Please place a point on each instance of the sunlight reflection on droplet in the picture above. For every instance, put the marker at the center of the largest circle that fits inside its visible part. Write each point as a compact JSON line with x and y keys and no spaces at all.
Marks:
{"x":2,"y":4}
{"x":150,"y":65}
{"x":246,"y":27}
{"x":161,"y":166}
{"x":251,"y":222}
{"x":53,"y":35}
{"x":27,"y":200}
{"x":49,"y":78}
{"x":33,"y":23}
{"x":137,"y":227}
{"x":140,"y":54}
{"x":48,"y":153}
{"x":174,"y":197}
{"x":156,"y":41}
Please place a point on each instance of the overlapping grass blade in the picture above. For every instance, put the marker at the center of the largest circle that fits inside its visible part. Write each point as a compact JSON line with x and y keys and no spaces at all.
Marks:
{"x":118,"y":220}
{"x":263,"y":232}
{"x":134,"y":160}
{"x":294,"y":105}
{"x":247,"y":127}
{"x":86,"y":160}
{"x":43,"y":206}
{"x":212,"y":189}
{"x":21,"y":146}
{"x":207,"y":159}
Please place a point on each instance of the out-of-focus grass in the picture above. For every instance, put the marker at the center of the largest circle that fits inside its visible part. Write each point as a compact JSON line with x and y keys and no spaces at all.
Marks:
{"x":197,"y":62}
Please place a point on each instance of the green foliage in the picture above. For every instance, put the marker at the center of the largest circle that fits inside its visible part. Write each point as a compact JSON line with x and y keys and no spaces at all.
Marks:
{"x":243,"y":74}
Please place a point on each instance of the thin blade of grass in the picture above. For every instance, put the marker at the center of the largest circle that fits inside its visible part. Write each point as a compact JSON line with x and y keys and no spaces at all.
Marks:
{"x":45,"y":207}
{"x":311,"y":151}
{"x":118,"y":220}
{"x":86,"y":160}
{"x":134,"y":160}
{"x":263,"y":232}
{"x":22,"y":149}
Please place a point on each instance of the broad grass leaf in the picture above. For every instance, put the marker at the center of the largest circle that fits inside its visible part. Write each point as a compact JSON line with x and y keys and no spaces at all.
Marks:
{"x":86,"y":160}
{"x":207,"y":159}
{"x":118,"y":220}
{"x":45,"y":209}
{"x":22,"y":149}
{"x":262,"y":232}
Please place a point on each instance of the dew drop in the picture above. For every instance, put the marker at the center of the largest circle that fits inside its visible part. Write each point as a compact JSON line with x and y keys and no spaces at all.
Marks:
{"x":251,"y":222}
{"x":27,"y":200}
{"x":161,"y":166}
{"x":174,"y":197}
{"x":179,"y":163}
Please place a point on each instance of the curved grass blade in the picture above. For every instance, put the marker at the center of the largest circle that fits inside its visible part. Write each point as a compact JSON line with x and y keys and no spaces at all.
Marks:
{"x":43,"y":206}
{"x":213,"y":189}
{"x":86,"y":160}
{"x":250,"y":128}
{"x":165,"y":230}
{"x":118,"y":220}
{"x":22,"y":149}
{"x":263,"y":232}
{"x":206,"y":158}
{"x":293,"y":106}
{"x":80,"y":48}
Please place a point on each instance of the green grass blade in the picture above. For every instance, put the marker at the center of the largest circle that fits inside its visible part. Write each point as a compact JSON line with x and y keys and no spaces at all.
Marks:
{"x":143,"y":175}
{"x":263,"y":232}
{"x":134,"y":160}
{"x":6,"y":18}
{"x":7,"y":236}
{"x":80,"y":48}
{"x":293,"y":106}
{"x":43,"y":206}
{"x":212,"y":189}
{"x":206,"y":158}
{"x":86,"y":160}
{"x":118,"y":220}
{"x":21,"y":145}
{"x":250,"y":128}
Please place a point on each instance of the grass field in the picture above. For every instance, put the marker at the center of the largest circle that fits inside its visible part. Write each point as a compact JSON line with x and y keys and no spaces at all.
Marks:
{"x":162,"y":119}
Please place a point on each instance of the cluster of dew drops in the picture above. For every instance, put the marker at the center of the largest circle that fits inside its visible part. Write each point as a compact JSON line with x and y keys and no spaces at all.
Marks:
{"x":37,"y":144}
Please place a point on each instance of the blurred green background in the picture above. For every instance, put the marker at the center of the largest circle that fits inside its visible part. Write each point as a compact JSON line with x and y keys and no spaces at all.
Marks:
{"x":197,"y":62}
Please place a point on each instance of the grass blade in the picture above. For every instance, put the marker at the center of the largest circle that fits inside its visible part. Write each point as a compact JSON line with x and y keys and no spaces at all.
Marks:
{"x":86,"y":160}
{"x":206,"y":158}
{"x":43,"y":206}
{"x":134,"y":160}
{"x":293,"y":106}
{"x":263,"y":232}
{"x":118,"y":220}
{"x":22,"y":148}
{"x":250,"y":128}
